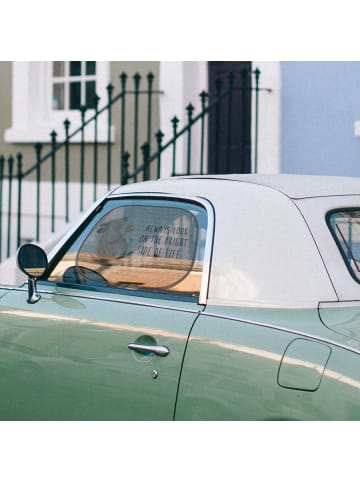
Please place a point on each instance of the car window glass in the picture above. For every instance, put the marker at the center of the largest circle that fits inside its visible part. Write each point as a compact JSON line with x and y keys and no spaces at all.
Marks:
{"x":153,"y":245}
{"x":345,"y":227}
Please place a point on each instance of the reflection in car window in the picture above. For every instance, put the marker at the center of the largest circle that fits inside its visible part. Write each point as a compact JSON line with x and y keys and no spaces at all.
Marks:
{"x":345,"y":227}
{"x":154,"y":245}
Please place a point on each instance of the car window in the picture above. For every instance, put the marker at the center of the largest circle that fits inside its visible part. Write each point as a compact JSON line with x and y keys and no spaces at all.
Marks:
{"x":154,"y":245}
{"x":345,"y":227}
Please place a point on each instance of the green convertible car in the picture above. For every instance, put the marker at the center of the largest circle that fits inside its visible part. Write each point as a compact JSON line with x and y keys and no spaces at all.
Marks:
{"x":230,"y":297}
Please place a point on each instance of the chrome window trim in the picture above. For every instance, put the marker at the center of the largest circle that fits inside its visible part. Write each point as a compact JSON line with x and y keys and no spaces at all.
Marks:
{"x":337,"y":240}
{"x":206,"y":204}
{"x":115,"y":300}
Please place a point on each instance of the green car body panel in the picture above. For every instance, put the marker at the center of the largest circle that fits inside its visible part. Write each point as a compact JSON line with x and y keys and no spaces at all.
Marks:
{"x":67,"y":358}
{"x":203,"y":298}
{"x":262,"y":365}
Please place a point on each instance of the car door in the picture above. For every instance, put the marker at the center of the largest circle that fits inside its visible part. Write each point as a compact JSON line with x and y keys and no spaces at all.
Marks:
{"x":107,"y":338}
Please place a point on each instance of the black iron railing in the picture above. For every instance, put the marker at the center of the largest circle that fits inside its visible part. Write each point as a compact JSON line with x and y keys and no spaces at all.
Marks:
{"x":144,"y":161}
{"x":224,"y":93}
{"x":59,"y":159}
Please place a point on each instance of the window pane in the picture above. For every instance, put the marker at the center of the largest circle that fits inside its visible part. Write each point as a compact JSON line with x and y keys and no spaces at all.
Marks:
{"x":137,"y":245}
{"x":75,"y":68}
{"x":90,"y":68}
{"x":345,"y":227}
{"x":75,"y":95}
{"x":58,"y":69}
{"x":58,"y":97}
{"x":90,"y":94}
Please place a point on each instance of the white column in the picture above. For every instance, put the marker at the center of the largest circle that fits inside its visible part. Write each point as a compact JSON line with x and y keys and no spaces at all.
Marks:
{"x":181,"y":83}
{"x":269,"y":119}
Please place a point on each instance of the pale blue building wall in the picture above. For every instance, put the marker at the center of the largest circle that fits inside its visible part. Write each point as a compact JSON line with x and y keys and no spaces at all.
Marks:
{"x":320,"y":102}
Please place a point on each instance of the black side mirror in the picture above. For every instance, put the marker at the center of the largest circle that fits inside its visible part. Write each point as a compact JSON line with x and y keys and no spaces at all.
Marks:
{"x":32,"y":261}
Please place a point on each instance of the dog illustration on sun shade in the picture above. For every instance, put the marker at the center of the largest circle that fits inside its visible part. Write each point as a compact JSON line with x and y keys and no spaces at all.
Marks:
{"x":112,"y":241}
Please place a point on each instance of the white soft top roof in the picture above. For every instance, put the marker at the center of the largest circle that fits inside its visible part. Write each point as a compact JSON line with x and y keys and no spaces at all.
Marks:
{"x":295,"y":186}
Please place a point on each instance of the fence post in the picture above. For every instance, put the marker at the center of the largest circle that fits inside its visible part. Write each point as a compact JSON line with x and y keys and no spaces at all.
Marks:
{"x":150,"y":78}
{"x":175,"y":122}
{"x":125,"y":168}
{"x":67,"y":125}
{"x":38,"y":147}
{"x":190,"y":110}
{"x":146,"y":154}
{"x":123,"y":78}
{"x":203,"y":97}
{"x":137,"y":78}
{"x":19,"y":158}
{"x":159,"y":136}
{"x":110,"y":89}
{"x":10,"y":177}
{"x":53,"y":178}
{"x":257,"y":77}
{"x":82,"y":157}
{"x":96,"y":101}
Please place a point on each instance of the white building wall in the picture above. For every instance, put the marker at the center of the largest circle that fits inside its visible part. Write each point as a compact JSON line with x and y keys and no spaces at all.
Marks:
{"x":182,"y":83}
{"x":269,"y":137}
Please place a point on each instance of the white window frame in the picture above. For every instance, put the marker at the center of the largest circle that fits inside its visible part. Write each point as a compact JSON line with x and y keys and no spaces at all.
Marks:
{"x":33,"y":118}
{"x":66,"y":80}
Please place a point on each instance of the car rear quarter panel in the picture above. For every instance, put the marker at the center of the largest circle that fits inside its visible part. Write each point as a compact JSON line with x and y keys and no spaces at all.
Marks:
{"x":251,"y":370}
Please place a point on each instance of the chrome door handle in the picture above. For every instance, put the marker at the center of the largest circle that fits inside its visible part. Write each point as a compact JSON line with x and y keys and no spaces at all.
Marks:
{"x":155,"y":349}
